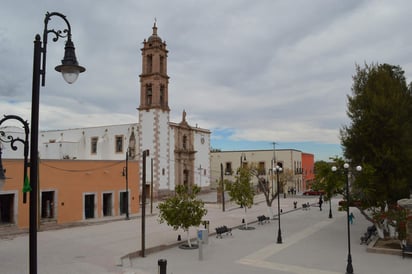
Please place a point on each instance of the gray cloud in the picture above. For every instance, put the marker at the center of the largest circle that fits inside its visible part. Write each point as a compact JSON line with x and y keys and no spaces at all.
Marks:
{"x":267,"y":70}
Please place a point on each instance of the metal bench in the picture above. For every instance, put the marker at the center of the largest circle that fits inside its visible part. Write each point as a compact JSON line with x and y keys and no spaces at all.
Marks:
{"x":406,"y":250}
{"x":263,"y":219}
{"x":222,"y":230}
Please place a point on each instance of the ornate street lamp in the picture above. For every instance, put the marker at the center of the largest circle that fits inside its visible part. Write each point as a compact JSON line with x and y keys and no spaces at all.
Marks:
{"x":349,"y":267}
{"x":70,"y":69}
{"x":278,"y":170}
{"x":7,"y":138}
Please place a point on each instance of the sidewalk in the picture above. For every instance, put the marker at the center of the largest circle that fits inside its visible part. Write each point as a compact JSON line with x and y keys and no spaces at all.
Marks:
{"x":312,"y":243}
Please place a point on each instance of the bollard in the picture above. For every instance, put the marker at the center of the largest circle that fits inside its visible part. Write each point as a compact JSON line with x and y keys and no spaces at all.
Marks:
{"x":162,"y":263}
{"x":200,"y":250}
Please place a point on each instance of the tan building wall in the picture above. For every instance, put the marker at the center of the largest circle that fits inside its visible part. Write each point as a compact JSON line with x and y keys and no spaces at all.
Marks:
{"x":290,"y":159}
{"x":71,"y":190}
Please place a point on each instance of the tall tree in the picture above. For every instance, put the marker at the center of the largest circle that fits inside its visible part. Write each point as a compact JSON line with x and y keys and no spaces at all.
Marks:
{"x":380,"y":134}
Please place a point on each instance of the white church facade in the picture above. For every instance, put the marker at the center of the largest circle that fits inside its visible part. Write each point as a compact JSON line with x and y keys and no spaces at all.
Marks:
{"x":178,"y":152}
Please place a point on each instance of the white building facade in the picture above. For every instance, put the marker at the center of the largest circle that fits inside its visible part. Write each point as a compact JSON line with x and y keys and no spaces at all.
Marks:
{"x":178,"y":152}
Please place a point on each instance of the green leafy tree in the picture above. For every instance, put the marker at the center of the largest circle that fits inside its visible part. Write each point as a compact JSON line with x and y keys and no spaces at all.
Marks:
{"x":328,"y":181}
{"x":379,"y":136}
{"x":241,"y":191}
{"x":183,"y":210}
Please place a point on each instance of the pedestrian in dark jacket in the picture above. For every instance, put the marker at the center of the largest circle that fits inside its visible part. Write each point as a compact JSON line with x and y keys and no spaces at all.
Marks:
{"x":320,"y":202}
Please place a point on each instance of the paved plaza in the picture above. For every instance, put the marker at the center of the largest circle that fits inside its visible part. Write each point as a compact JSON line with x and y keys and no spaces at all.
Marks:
{"x":311,"y":244}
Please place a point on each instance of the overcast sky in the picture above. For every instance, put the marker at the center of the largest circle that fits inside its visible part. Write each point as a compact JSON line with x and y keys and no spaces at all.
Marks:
{"x":253,"y":72}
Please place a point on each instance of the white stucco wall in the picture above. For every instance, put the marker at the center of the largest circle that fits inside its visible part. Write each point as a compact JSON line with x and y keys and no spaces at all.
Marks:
{"x":76,"y":143}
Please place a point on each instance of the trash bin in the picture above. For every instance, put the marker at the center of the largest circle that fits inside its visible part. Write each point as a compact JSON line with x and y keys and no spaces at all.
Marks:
{"x":203,"y":236}
{"x":206,"y":224}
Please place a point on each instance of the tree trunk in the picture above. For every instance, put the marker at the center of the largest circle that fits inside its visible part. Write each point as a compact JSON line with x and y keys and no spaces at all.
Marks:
{"x":188,"y":238}
{"x":246,"y":217}
{"x":270,"y":212}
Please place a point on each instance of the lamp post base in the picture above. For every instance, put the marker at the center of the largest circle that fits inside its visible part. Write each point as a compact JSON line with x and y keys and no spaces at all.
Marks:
{"x":279,"y":241}
{"x":349,"y":267}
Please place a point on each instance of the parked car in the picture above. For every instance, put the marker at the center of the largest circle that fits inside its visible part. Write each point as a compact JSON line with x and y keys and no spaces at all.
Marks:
{"x":313,"y":192}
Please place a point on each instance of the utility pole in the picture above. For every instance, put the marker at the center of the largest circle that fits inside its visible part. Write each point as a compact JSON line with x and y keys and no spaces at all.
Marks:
{"x":223,"y":187}
{"x":273,"y":163}
{"x":127,"y":184}
{"x":145,"y":154}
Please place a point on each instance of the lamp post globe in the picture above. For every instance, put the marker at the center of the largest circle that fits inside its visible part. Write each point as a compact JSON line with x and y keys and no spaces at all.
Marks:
{"x":70,"y":68}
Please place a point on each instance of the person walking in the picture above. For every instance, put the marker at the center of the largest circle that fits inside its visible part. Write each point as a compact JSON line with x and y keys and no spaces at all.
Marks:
{"x":351,"y":218}
{"x":320,"y":202}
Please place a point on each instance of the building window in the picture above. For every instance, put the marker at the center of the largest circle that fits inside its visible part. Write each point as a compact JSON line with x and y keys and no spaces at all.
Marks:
{"x":184,"y":142}
{"x":94,"y":145}
{"x":149,"y":64}
{"x":262,"y":169}
{"x":162,"y":59}
{"x":162,"y":95}
{"x":148,"y":95}
{"x":119,"y":143}
{"x":228,"y":168}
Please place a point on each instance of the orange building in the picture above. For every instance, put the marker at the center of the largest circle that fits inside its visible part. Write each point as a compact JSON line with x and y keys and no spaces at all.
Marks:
{"x":308,"y":170}
{"x":71,"y":191}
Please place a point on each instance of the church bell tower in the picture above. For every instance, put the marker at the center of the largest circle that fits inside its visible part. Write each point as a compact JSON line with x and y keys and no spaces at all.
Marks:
{"x":154,"y":110}
{"x":154,"y":80}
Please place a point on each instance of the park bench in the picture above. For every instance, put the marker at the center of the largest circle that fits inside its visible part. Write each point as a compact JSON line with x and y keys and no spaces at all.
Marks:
{"x":306,"y":206}
{"x":367,"y":236}
{"x":406,"y":250}
{"x":222,"y":230}
{"x":262,"y":219}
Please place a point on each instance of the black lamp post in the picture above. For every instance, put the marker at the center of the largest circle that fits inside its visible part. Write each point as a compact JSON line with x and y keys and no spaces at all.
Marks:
{"x":145,"y":154}
{"x":349,"y":267}
{"x":6,"y":138}
{"x":126,"y":175}
{"x":330,"y":208}
{"x":278,"y":169}
{"x":70,"y":70}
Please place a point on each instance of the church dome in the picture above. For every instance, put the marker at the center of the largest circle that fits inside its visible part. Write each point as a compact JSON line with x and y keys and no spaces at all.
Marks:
{"x":154,"y":37}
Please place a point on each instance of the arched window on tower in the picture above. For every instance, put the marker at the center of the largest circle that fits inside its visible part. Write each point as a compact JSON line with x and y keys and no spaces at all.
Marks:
{"x":162,"y":60}
{"x":149,"y":95}
{"x":162,"y":95}
{"x":184,"y":142}
{"x":149,"y":63}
